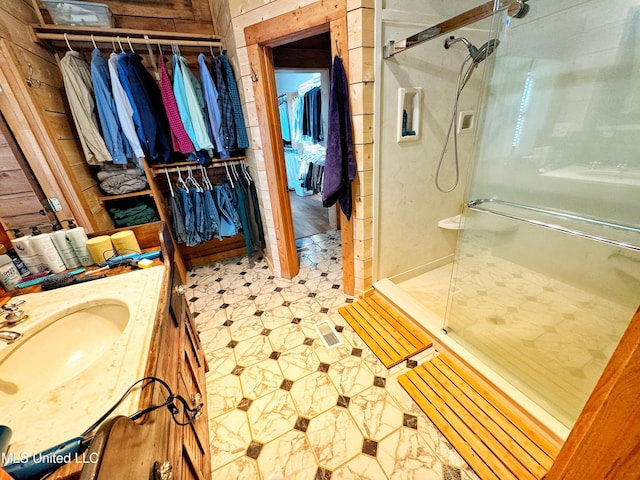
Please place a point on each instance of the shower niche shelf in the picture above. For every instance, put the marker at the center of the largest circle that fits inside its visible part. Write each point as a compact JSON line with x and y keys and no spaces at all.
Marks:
{"x":409,"y":105}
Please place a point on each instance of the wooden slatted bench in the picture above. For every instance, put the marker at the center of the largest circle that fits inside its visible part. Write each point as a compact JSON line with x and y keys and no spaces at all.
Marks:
{"x":492,"y":439}
{"x":390,"y":336}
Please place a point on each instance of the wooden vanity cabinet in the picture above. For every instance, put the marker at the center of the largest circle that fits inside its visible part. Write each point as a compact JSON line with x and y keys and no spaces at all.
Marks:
{"x":195,"y":462}
{"x":127,"y":449}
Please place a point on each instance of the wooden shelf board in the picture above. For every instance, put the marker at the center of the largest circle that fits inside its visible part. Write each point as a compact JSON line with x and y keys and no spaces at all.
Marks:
{"x":140,"y":193}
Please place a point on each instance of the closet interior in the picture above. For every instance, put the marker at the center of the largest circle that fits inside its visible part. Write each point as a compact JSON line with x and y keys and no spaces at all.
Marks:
{"x":302,"y":84}
{"x":178,"y":157}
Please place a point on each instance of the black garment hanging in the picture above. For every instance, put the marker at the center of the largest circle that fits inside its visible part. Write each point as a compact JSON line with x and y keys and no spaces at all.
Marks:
{"x":308,"y":177}
{"x":252,"y":209}
{"x":312,"y":115}
{"x":150,"y":108}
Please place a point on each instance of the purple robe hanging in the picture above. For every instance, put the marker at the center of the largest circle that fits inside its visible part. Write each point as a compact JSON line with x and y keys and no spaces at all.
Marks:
{"x":340,"y":163}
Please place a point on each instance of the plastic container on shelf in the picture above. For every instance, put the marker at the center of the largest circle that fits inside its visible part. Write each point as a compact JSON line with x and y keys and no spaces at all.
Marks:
{"x":70,"y":12}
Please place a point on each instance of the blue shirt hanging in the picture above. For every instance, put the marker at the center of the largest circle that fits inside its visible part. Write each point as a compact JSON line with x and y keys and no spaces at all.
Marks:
{"x":213,"y":110}
{"x":241,"y":129}
{"x":226,"y":108}
{"x":145,"y":117}
{"x":115,"y":141}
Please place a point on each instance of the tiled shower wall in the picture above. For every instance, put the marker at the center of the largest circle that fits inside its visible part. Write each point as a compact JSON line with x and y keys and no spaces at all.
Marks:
{"x":230,"y":19}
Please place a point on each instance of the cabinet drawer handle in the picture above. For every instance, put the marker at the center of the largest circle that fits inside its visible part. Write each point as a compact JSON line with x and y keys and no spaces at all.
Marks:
{"x":179,"y":289}
{"x":162,"y":470}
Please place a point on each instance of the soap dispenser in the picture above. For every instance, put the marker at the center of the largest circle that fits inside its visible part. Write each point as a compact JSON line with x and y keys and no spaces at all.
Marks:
{"x":70,"y":223}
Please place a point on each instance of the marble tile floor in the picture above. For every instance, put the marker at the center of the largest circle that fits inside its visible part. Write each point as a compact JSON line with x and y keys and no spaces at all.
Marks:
{"x":282,"y":405}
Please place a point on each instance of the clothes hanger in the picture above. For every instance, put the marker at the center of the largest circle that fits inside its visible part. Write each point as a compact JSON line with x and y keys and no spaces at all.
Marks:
{"x":246,"y":172}
{"x":180,"y":180}
{"x":166,"y":172}
{"x":192,"y":180}
{"x":152,"y":57}
{"x":338,"y":49}
{"x":113,"y":42}
{"x":235,"y":171}
{"x":66,"y":39}
{"x":226,"y":168}
{"x":120,"y":43}
{"x":130,"y":46}
{"x":93,"y":40}
{"x":205,"y":178}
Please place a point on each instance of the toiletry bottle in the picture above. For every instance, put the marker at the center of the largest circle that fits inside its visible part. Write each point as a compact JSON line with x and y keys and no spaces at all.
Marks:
{"x":44,"y":247}
{"x":9,"y":275}
{"x":22,"y":268}
{"x":28,"y":255}
{"x":78,"y":239}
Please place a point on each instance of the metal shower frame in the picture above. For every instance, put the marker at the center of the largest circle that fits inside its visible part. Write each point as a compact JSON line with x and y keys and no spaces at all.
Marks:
{"x":517,"y":9}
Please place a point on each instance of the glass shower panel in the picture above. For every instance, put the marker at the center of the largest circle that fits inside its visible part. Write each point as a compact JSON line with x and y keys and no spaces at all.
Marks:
{"x":547,"y":269}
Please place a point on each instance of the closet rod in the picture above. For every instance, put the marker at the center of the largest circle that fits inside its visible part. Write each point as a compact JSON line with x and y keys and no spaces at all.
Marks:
{"x":138,"y":41}
{"x":172,"y":167}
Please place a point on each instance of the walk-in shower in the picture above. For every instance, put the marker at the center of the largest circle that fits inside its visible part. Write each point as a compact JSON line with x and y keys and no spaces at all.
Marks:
{"x":540,"y":283}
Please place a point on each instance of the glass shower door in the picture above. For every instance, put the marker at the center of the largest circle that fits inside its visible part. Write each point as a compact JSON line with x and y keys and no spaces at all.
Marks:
{"x":547,"y":269}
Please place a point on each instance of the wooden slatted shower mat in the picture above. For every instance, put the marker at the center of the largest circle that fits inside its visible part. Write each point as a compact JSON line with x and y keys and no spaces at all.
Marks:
{"x":392,"y":337}
{"x":493,"y":439}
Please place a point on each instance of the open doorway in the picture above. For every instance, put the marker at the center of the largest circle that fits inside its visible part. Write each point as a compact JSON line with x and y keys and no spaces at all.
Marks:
{"x":266,"y":41}
{"x":302,"y":88}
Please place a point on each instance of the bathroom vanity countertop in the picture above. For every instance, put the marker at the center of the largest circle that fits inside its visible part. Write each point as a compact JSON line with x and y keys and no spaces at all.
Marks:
{"x":46,"y":419}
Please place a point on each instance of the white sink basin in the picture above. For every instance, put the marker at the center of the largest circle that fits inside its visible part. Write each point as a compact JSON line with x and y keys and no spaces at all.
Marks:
{"x":65,"y":346}
{"x":82,"y":347}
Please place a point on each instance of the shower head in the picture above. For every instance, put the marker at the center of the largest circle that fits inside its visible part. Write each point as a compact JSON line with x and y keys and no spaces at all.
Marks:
{"x":477,"y":54}
{"x":485,"y":50}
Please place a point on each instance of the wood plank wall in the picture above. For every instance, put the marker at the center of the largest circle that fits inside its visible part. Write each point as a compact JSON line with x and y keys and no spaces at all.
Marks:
{"x":15,"y":21}
{"x":360,"y":22}
{"x":187,"y":16}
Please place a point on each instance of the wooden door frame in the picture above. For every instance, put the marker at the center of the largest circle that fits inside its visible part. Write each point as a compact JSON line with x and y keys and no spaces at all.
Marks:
{"x":261,"y":38}
{"x":23,"y":118}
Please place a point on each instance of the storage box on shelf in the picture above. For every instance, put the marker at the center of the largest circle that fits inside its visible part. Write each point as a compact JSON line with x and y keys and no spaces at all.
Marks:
{"x":69,"y":12}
